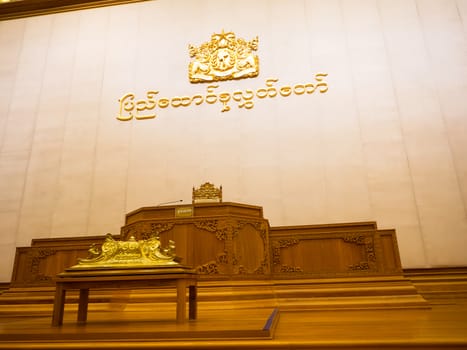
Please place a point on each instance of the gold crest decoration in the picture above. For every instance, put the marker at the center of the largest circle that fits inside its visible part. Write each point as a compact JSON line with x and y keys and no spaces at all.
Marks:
{"x":225,"y":57}
{"x":207,"y":193}
{"x":130,"y":253}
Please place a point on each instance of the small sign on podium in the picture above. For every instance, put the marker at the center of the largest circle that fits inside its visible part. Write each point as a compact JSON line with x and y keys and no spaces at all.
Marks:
{"x":183,"y":212}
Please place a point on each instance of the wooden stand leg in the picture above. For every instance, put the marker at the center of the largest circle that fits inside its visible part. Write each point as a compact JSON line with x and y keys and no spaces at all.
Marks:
{"x":59,"y":305}
{"x":83,"y":305}
{"x":192,"y":313}
{"x":181,"y":301}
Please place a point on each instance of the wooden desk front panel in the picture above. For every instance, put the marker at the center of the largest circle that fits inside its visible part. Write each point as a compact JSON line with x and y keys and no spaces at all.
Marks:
{"x":320,"y":251}
{"x":215,"y":247}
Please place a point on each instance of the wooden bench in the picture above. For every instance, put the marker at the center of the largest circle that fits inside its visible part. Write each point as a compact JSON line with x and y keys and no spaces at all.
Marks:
{"x":125,"y":278}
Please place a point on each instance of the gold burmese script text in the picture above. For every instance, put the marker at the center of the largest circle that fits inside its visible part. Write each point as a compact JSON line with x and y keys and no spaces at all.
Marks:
{"x":145,"y":108}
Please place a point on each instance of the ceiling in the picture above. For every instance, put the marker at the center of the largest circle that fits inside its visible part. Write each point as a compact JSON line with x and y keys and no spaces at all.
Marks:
{"x":11,"y":9}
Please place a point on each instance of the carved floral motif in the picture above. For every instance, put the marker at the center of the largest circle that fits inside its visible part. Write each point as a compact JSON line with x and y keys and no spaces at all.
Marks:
{"x":36,"y":258}
{"x":209,"y":268}
{"x":157,"y":229}
{"x":354,"y":238}
{"x":285,"y":268}
{"x":277,"y":245}
{"x":227,"y":231}
{"x":364,"y":265}
{"x":222,"y":258}
{"x":369,"y":249}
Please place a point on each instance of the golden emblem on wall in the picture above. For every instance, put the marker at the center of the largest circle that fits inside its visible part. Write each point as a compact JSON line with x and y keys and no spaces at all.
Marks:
{"x":225,"y":57}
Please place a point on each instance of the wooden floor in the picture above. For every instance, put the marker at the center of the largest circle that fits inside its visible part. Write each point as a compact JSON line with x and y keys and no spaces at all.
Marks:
{"x":229,"y":326}
{"x":316,"y":317}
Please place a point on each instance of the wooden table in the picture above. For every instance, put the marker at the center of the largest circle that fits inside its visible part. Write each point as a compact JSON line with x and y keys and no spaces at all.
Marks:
{"x":126,"y":278}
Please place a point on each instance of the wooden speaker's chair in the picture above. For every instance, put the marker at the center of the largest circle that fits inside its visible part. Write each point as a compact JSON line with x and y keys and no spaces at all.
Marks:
{"x":207,"y":193}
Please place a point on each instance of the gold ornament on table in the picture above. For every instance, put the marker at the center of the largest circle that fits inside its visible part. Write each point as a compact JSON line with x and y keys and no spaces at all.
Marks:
{"x":207,"y":193}
{"x":225,"y":57}
{"x":130,"y":253}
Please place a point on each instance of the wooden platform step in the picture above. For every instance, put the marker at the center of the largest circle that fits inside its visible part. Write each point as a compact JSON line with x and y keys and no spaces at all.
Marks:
{"x":441,"y":283}
{"x":385,"y":292}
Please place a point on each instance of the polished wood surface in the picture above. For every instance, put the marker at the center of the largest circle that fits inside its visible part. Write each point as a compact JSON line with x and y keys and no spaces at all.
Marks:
{"x":247,"y":315}
{"x":224,"y":325}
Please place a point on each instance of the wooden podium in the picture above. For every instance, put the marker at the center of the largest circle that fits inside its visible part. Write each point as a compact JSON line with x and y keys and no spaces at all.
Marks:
{"x":217,"y":239}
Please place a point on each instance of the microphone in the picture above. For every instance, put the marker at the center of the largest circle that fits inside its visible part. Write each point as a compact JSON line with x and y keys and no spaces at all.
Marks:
{"x":171,"y":202}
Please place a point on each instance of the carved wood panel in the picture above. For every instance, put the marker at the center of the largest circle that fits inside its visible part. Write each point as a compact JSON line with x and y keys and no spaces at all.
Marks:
{"x":220,"y":247}
{"x":307,"y":251}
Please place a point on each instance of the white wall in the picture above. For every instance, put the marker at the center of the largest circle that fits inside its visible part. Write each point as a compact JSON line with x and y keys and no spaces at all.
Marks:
{"x":387,"y":142}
